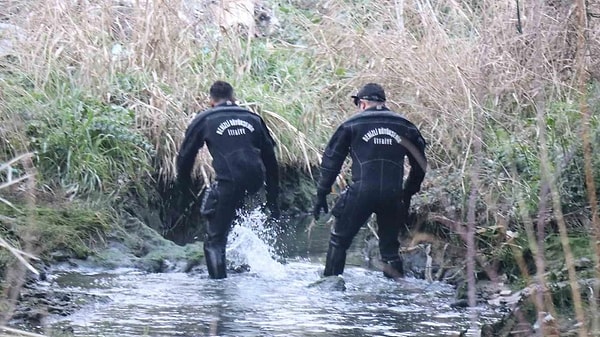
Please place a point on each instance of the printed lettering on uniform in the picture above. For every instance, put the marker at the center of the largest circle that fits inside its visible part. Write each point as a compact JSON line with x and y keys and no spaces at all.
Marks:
{"x":374,"y":133}
{"x":234,"y":127}
{"x":382,"y":141}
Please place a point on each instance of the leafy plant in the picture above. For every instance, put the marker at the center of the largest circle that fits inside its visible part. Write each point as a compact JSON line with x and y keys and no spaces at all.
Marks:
{"x":85,"y":146}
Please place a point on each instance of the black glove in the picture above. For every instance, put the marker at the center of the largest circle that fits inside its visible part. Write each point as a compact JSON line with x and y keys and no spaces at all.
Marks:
{"x":320,"y":204}
{"x":175,"y":202}
{"x":180,"y":200}
{"x":410,"y":190}
{"x":187,"y":194}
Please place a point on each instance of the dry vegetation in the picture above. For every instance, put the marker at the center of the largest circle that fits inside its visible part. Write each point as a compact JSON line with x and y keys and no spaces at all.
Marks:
{"x":505,"y":96}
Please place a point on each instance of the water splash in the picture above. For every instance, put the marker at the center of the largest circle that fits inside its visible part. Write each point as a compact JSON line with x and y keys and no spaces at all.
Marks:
{"x":251,"y":243}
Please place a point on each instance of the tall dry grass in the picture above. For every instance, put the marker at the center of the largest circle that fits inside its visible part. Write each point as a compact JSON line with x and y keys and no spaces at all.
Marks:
{"x":478,"y":77}
{"x":447,"y":65}
{"x":454,"y":66}
{"x":14,"y":276}
{"x":86,"y":43}
{"x":157,"y":59}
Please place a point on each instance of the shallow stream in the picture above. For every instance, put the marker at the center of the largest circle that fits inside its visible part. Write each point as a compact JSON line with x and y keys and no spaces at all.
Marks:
{"x":272,"y":299}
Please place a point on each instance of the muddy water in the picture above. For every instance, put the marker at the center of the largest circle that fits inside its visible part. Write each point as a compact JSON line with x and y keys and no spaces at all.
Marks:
{"x":272,"y":299}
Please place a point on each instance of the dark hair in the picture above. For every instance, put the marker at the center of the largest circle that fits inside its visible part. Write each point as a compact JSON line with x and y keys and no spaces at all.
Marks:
{"x":370,"y":92}
{"x":221,"y":90}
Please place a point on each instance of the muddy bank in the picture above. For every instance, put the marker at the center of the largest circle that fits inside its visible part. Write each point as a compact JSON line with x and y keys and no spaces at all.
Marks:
{"x":130,"y":246}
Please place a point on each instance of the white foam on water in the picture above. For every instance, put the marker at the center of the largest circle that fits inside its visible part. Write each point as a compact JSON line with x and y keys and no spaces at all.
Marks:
{"x":250,"y":243}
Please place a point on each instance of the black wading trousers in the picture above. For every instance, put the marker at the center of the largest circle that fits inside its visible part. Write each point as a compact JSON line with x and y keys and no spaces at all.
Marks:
{"x":353,"y":208}
{"x":219,"y":205}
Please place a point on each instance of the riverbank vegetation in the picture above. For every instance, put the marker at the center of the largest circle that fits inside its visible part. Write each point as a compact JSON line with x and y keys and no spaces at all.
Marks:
{"x":95,"y":98}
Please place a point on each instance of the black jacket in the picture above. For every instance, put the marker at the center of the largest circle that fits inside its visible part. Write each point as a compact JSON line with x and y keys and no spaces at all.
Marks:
{"x":377,"y":140}
{"x":239,"y":142}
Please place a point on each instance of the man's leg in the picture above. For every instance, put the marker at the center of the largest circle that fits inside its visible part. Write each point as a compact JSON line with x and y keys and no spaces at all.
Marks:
{"x":389,"y":220}
{"x":351,"y":213}
{"x":218,"y":227}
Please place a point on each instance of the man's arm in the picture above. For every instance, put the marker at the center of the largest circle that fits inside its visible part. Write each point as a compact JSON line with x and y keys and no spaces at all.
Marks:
{"x":418,"y":163}
{"x":270,"y":161}
{"x":192,"y":142}
{"x":333,"y":158}
{"x":182,"y":195}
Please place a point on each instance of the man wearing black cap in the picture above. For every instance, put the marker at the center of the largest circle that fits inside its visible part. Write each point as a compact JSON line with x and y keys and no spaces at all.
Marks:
{"x":243,"y":160}
{"x":377,"y":139}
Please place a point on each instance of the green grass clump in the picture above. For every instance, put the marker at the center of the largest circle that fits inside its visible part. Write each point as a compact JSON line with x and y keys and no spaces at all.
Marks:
{"x":72,"y":228}
{"x":81,"y":143}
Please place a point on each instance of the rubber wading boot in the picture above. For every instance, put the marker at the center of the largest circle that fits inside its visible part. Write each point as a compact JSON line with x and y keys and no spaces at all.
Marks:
{"x":215,"y":263}
{"x":393,"y":269}
{"x":336,"y":259}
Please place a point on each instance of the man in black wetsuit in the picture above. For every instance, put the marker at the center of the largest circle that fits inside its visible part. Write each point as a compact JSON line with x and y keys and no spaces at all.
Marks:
{"x":243,"y":160}
{"x":377,"y":139}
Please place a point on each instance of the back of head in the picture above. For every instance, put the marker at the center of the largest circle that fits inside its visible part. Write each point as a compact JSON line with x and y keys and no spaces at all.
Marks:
{"x":370,"y":92}
{"x":221,"y":91}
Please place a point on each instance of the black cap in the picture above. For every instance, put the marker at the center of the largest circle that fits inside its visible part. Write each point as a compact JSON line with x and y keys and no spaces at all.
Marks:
{"x":370,"y":92}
